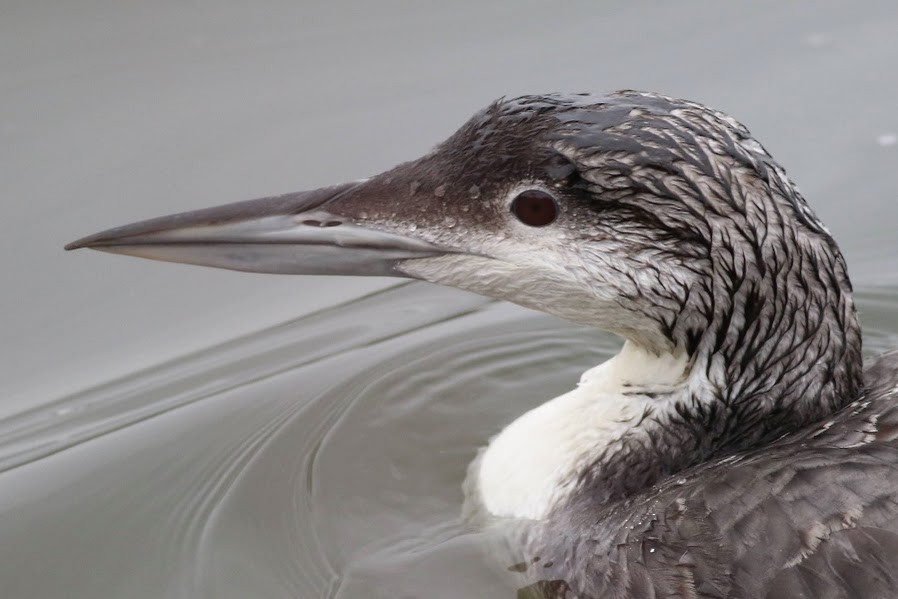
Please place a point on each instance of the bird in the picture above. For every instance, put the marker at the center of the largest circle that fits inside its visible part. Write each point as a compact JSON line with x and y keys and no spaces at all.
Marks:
{"x":736,"y":447}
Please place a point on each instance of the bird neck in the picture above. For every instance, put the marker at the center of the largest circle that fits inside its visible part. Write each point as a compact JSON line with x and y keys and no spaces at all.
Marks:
{"x":778,"y":349}
{"x":538,"y":460}
{"x":779,"y":344}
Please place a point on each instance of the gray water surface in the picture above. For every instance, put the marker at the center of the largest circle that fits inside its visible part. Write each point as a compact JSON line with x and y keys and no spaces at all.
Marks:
{"x":168,"y":431}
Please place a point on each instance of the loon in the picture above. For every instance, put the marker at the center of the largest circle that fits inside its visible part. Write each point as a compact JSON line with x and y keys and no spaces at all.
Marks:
{"x":736,"y":447}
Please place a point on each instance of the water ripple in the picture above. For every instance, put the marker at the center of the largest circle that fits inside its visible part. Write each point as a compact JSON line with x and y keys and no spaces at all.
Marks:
{"x":57,"y":425}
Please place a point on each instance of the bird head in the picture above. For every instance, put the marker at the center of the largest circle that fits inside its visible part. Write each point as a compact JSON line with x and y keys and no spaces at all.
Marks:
{"x":640,"y":214}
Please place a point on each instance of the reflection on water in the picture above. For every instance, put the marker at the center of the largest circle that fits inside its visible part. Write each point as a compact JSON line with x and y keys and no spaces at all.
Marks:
{"x":323,"y":457}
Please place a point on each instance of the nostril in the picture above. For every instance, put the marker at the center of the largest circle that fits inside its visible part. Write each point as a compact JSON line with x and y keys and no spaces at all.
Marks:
{"x":313,"y":222}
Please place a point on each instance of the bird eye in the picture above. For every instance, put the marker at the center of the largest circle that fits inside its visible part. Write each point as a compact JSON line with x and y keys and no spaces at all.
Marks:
{"x":535,"y":208}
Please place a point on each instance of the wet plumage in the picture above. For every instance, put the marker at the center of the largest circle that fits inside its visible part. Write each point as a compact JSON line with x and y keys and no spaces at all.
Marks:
{"x":812,"y":514}
{"x":736,"y":448}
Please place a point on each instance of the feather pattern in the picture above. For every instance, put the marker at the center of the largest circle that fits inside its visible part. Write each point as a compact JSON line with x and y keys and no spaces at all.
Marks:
{"x":813,"y":515}
{"x":772,"y":471}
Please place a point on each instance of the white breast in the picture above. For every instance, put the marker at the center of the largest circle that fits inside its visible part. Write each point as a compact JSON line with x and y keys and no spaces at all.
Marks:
{"x":534,"y":463}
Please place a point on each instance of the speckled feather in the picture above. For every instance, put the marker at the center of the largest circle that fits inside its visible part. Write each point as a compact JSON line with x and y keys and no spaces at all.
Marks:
{"x":746,"y":490}
{"x":811,"y":515}
{"x":699,"y":242}
{"x":781,"y":479}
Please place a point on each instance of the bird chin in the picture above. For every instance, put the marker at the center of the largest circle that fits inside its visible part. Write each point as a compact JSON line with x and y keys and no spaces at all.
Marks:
{"x":542,"y":288}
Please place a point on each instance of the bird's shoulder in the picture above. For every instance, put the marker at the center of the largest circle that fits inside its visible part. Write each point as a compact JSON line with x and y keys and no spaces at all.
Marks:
{"x":815,"y":514}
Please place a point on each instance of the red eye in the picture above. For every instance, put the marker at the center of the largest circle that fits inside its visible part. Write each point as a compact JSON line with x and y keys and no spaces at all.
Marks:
{"x":535,"y":208}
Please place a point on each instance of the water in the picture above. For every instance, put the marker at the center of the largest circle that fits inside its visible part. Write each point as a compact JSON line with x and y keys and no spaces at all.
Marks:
{"x":178,"y":432}
{"x":321,"y":456}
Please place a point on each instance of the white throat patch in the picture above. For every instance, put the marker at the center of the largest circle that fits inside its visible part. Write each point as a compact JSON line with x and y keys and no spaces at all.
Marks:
{"x":535,"y":461}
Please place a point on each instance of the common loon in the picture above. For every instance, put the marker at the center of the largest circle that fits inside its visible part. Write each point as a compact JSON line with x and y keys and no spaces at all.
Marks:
{"x":736,"y":447}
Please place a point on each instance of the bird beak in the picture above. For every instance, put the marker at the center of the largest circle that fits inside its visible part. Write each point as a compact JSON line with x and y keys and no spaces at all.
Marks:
{"x":323,"y":231}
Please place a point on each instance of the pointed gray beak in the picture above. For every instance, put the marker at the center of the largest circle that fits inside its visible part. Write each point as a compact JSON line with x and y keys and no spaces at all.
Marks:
{"x":311,"y":232}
